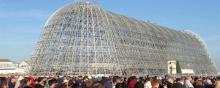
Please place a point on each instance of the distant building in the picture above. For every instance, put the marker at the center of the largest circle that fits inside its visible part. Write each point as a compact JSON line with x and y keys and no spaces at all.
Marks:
{"x":7,"y":67}
{"x":6,"y":63}
{"x":24,"y":65}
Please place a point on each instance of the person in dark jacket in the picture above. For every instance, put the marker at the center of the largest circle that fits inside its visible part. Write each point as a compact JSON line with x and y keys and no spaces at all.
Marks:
{"x":11,"y":82}
{"x":179,"y":83}
{"x":107,"y":82}
{"x":80,"y":83}
{"x":140,"y":83}
{"x":169,"y":82}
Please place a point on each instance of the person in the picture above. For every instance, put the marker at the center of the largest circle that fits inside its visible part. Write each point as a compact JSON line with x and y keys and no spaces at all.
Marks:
{"x":208,"y":83}
{"x":38,"y":83}
{"x":12,"y":82}
{"x":98,"y":85}
{"x":107,"y":82}
{"x":116,"y":80}
{"x":217,"y":83}
{"x":80,"y":83}
{"x":52,"y":83}
{"x":29,"y":82}
{"x":121,"y":83}
{"x":3,"y":82}
{"x":147,"y":83}
{"x":187,"y":83}
{"x":169,"y":82}
{"x":198,"y":83}
{"x":179,"y":83}
{"x":72,"y":83}
{"x":140,"y":83}
{"x":155,"y":83}
{"x":132,"y":81}
{"x":89,"y":83}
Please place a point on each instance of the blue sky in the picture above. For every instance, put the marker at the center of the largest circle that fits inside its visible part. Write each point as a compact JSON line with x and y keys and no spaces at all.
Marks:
{"x":21,"y":21}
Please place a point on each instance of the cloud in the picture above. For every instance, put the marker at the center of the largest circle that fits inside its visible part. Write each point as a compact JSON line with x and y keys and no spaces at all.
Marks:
{"x":23,"y":14}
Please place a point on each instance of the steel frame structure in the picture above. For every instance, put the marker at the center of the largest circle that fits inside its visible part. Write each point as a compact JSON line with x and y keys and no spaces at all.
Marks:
{"x":81,"y":38}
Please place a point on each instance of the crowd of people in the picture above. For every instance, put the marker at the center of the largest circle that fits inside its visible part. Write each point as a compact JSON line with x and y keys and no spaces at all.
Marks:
{"x":110,"y":82}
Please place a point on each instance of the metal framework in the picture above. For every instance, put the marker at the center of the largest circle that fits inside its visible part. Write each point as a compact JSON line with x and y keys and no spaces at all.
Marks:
{"x":81,"y":38}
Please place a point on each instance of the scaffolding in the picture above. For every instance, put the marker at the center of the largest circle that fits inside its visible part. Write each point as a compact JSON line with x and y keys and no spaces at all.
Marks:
{"x":81,"y":38}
